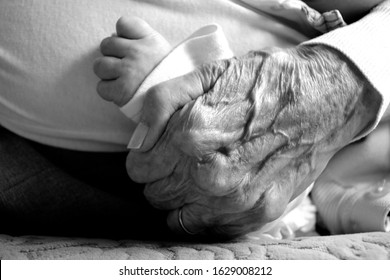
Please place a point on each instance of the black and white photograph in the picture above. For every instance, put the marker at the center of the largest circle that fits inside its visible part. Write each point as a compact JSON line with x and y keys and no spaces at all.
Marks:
{"x":194,"y":130}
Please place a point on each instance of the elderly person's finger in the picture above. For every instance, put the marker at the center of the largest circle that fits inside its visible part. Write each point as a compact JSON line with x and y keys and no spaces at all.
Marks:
{"x":164,"y":99}
{"x":184,"y":221}
{"x":177,"y":141}
{"x":153,"y":165}
{"x":206,"y":217}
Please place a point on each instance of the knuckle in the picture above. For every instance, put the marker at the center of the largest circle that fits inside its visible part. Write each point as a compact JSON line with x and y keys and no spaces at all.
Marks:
{"x":132,"y":169}
{"x":212,"y":174}
{"x":238,"y":201}
{"x":156,"y":100}
{"x":192,"y":137}
{"x":198,"y":116}
{"x":156,"y":94}
{"x":272,"y":206}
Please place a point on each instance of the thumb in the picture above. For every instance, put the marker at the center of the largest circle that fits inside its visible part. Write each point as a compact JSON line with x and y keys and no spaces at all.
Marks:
{"x":163,"y":100}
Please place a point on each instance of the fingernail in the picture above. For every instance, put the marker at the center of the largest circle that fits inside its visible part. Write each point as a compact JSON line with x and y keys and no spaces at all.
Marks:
{"x":138,"y":137}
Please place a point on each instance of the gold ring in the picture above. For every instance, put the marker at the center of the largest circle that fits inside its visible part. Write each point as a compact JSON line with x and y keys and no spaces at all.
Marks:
{"x":182,"y":224}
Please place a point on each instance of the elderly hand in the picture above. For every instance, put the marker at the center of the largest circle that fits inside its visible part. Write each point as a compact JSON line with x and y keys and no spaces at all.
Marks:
{"x":247,"y":135}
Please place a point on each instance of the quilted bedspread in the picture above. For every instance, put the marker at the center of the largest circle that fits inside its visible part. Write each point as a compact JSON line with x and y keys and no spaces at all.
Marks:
{"x":374,"y":245}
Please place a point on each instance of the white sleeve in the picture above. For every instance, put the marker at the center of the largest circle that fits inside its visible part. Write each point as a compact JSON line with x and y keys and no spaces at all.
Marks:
{"x":367,"y":44}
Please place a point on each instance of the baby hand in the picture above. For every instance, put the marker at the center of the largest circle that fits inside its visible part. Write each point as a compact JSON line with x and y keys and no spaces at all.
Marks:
{"x":128,"y":58}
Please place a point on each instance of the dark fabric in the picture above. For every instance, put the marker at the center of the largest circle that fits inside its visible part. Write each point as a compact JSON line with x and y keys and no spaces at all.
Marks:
{"x":51,"y":191}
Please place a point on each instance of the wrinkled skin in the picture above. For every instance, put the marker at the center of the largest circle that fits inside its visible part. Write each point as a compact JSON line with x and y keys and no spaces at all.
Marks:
{"x":260,"y":133}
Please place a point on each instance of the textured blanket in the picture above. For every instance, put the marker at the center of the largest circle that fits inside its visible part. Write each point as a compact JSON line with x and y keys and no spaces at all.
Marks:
{"x":357,"y":246}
